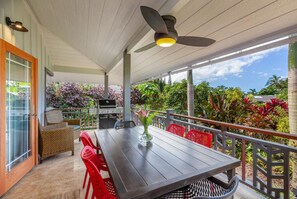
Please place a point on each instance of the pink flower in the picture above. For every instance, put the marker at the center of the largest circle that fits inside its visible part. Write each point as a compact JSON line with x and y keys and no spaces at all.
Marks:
{"x":142,"y":113}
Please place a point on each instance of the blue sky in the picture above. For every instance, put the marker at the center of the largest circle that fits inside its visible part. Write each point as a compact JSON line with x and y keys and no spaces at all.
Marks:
{"x":247,"y":72}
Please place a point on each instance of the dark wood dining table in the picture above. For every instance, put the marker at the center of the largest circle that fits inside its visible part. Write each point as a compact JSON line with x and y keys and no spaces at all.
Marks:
{"x":170,"y":162}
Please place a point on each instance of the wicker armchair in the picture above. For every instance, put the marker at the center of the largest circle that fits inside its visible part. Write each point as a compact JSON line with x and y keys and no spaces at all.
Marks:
{"x":55,"y":139}
{"x":55,"y":116}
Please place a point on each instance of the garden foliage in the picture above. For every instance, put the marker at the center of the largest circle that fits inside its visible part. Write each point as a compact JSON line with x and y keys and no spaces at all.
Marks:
{"x":220,"y":103}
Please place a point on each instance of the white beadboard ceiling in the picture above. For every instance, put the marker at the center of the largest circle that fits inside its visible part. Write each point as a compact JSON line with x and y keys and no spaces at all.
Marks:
{"x":94,"y":33}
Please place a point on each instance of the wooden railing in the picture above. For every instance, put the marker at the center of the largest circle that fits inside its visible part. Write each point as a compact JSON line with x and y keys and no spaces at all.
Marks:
{"x":266,"y":165}
{"x":88,"y":116}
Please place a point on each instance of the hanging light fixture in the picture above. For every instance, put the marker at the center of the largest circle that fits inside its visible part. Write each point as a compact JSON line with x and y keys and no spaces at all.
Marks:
{"x":17,"y":25}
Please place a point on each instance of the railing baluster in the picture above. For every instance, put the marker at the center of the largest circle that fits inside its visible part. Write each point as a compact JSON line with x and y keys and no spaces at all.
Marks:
{"x":269,"y":170}
{"x":243,"y":159}
{"x":286,"y":174}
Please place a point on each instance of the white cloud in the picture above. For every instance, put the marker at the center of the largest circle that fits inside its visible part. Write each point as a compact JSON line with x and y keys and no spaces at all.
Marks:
{"x":179,"y":76}
{"x":263,"y":74}
{"x":276,"y":69}
{"x":221,"y":70}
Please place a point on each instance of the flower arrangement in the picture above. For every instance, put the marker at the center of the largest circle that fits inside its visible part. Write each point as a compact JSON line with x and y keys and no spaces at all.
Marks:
{"x":146,"y":119}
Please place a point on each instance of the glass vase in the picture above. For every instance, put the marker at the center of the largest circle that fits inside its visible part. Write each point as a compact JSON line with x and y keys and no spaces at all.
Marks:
{"x":145,"y":138}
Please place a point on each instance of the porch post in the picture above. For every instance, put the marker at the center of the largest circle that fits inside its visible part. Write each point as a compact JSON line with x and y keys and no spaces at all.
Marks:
{"x":105,"y":96}
{"x":190,"y":95}
{"x":169,"y":78}
{"x":126,"y":83}
{"x":168,"y":117}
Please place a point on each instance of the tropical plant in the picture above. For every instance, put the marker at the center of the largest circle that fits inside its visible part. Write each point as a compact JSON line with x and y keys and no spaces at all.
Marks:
{"x":64,"y":95}
{"x":227,"y":107}
{"x":218,"y":109}
{"x":176,"y":97}
{"x":252,"y":91}
{"x":265,"y":116}
{"x":201,"y":95}
{"x":160,"y":84}
{"x":220,"y":90}
{"x":53,"y":96}
{"x":136,"y":96}
{"x":275,"y":81}
{"x":276,"y":86}
{"x":269,"y":90}
{"x":151,"y":95}
{"x":283,"y":125}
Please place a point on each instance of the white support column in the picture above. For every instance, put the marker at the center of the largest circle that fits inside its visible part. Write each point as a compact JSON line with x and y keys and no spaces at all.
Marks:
{"x":127,"y":84}
{"x":190,"y":93}
{"x":169,"y":78}
{"x":105,"y":96}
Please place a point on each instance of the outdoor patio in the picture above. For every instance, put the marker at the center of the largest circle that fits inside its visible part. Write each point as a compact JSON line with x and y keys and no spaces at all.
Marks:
{"x":61,"y":177}
{"x":120,"y":43}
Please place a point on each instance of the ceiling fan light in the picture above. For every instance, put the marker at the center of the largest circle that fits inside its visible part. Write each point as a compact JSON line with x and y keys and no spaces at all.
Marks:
{"x":165,"y":42}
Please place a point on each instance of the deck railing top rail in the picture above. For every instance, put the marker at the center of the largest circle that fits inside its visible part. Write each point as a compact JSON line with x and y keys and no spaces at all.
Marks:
{"x":235,"y":126}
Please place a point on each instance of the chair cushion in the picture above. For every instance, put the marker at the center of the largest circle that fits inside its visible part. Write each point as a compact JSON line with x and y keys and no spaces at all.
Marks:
{"x":54,"y":116}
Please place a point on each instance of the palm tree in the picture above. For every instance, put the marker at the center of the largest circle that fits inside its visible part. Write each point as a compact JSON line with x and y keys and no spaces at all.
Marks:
{"x":160,"y":83}
{"x":292,"y":102}
{"x":253,"y":91}
{"x":274,"y":81}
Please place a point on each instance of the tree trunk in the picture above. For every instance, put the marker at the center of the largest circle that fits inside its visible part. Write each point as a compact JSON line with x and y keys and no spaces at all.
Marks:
{"x":190,"y":94}
{"x":292,"y":102}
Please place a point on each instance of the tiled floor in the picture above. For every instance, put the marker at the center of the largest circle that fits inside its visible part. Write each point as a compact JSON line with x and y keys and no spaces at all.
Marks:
{"x":61,"y":177}
{"x":57,"y":176}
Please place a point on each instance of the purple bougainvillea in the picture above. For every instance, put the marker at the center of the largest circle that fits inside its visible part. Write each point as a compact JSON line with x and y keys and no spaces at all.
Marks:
{"x":64,"y":95}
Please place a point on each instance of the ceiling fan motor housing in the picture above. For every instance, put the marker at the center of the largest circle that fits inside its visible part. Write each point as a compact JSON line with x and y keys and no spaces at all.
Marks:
{"x":170,"y":22}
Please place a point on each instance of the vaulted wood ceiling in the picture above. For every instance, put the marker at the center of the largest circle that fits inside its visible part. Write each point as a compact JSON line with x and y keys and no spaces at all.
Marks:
{"x":94,"y":33}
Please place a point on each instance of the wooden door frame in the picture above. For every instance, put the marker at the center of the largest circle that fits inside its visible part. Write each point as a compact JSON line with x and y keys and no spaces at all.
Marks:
{"x":8,"y":180}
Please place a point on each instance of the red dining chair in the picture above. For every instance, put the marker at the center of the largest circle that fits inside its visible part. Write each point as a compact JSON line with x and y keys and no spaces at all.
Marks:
{"x":101,"y":164}
{"x":200,"y":137}
{"x":210,"y":188}
{"x":88,"y":141}
{"x":102,"y":187}
{"x":176,"y":129}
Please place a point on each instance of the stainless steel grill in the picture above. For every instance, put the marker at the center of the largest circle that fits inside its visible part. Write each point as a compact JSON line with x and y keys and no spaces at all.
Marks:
{"x":107,"y":104}
{"x":108,"y":113}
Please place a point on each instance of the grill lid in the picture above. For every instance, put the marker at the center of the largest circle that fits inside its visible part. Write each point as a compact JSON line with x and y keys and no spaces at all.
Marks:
{"x":107,"y":103}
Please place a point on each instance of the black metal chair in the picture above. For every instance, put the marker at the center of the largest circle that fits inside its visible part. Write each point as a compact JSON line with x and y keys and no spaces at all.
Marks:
{"x":124,"y":124}
{"x":210,"y":188}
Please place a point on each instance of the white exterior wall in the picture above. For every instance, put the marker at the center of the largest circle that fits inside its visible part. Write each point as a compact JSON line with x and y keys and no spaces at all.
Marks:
{"x":31,"y":42}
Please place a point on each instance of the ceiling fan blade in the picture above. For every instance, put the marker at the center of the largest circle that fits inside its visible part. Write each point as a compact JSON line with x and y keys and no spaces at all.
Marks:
{"x":145,"y":47}
{"x":154,"y":19}
{"x":195,"y":41}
